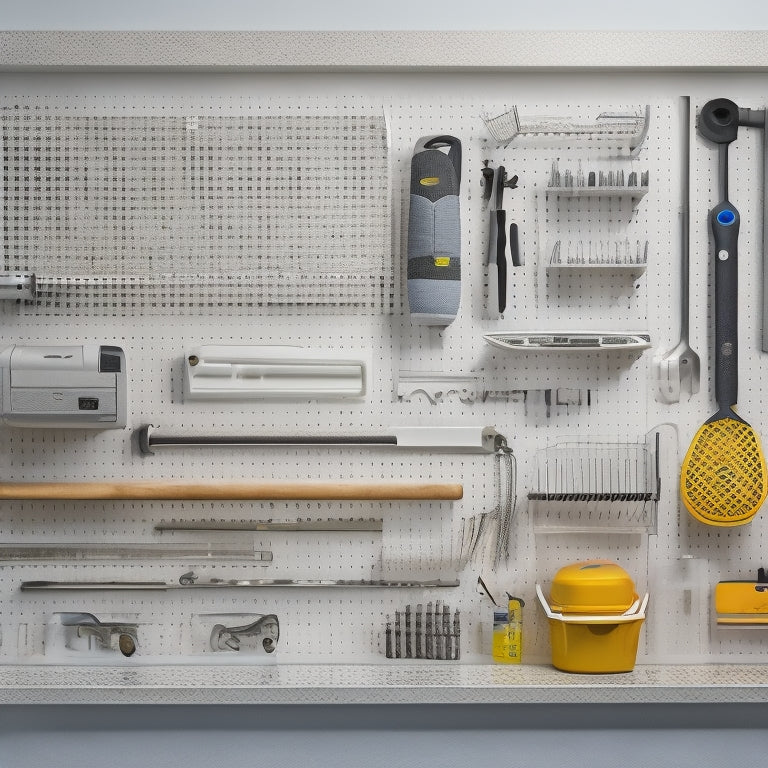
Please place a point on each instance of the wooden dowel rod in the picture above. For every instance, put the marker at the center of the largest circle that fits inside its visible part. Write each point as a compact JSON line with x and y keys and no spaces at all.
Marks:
{"x":183,"y":490}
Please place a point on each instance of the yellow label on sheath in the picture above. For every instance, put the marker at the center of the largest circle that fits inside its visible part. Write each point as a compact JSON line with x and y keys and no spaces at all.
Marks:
{"x":429,"y":181}
{"x":442,"y":261}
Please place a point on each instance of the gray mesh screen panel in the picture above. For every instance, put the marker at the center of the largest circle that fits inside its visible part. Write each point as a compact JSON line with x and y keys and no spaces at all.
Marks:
{"x":151,"y":214}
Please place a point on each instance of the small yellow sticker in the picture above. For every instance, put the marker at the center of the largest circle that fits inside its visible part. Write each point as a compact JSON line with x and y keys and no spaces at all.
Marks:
{"x":429,"y":181}
{"x":442,"y":261}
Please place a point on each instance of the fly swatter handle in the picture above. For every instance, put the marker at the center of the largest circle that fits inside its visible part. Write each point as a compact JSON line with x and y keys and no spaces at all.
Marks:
{"x":724,"y":219}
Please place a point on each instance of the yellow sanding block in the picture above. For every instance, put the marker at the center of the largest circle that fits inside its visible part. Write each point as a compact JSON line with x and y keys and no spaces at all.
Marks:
{"x":742,"y":602}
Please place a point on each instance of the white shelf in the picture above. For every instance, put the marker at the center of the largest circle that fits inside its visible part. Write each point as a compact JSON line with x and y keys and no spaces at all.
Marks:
{"x":634,"y":268}
{"x":556,"y":341}
{"x":622,"y":192}
{"x":395,"y":683}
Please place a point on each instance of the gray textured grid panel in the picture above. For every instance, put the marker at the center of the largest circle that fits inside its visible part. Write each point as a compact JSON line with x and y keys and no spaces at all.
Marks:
{"x":120,"y":214}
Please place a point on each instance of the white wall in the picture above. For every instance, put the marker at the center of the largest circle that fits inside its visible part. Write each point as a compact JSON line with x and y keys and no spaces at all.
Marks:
{"x":126,"y":735}
{"x":391,"y":14}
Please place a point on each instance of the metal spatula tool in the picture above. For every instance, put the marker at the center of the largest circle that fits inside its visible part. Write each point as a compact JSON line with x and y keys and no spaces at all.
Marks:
{"x":678,"y":371}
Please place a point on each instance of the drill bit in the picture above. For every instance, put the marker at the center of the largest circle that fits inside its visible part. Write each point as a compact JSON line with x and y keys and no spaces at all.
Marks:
{"x":428,"y":632}
{"x":408,"y":648}
{"x":419,"y":615}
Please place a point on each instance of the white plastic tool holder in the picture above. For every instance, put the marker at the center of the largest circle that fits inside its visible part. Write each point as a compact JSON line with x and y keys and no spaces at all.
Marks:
{"x":239,"y":372}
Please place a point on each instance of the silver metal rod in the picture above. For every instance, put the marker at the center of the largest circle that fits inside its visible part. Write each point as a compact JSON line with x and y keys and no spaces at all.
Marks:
{"x":28,"y":586}
{"x":154,"y":551}
{"x":372,"y":524}
{"x":685,"y":236}
{"x":756,"y":118}
{"x":473,"y":439}
{"x":172,"y":441}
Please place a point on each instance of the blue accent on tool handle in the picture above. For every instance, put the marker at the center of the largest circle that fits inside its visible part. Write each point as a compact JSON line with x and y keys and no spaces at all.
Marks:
{"x":724,"y":219}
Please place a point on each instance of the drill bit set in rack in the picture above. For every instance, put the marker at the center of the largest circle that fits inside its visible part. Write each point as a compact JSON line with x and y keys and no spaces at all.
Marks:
{"x":432,"y":634}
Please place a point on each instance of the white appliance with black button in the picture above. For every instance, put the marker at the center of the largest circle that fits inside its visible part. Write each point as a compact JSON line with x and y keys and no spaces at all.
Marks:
{"x":63,"y":386}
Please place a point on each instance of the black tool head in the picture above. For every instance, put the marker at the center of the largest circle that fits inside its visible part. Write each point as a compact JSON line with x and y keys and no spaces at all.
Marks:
{"x":719,"y":121}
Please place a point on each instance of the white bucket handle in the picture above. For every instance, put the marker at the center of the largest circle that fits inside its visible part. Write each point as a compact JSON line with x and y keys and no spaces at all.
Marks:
{"x":633,"y":613}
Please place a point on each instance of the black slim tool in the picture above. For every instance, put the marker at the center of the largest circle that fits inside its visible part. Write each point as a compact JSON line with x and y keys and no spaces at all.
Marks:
{"x":514,"y":246}
{"x":497,"y":246}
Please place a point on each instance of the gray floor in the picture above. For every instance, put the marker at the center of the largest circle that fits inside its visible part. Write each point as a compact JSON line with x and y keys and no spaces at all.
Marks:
{"x":371,"y":736}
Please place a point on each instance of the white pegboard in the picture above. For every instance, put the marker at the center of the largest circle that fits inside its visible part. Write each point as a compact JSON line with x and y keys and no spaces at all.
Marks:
{"x":419,"y":539}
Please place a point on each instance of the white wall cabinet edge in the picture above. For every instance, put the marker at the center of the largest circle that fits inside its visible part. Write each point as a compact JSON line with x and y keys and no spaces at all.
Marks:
{"x":27,"y":50}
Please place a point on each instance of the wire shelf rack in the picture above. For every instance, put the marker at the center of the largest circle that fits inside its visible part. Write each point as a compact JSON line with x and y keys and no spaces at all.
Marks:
{"x":597,"y":486}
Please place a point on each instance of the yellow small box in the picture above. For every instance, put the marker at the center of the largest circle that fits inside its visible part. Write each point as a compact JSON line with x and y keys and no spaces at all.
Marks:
{"x":747,"y":597}
{"x":741,"y":603}
{"x":600,"y":630}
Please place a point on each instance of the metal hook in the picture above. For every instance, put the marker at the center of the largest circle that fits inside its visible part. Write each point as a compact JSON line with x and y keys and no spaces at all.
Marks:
{"x":104,"y":632}
{"x":229,"y":638}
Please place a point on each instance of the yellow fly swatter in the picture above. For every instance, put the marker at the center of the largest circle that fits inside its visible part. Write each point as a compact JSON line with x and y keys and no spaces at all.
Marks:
{"x":723,"y":478}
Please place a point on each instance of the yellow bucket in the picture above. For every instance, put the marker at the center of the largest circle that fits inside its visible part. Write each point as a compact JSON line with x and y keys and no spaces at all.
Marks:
{"x":594,"y":644}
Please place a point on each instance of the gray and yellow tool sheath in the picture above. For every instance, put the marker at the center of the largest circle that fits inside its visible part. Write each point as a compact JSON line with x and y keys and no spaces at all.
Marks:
{"x":434,"y":232}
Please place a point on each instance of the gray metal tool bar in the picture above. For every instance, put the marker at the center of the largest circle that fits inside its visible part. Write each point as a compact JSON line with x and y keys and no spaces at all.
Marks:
{"x":756,"y":118}
{"x":11,"y":552}
{"x":149,"y":442}
{"x":464,"y":439}
{"x":189,"y":581}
